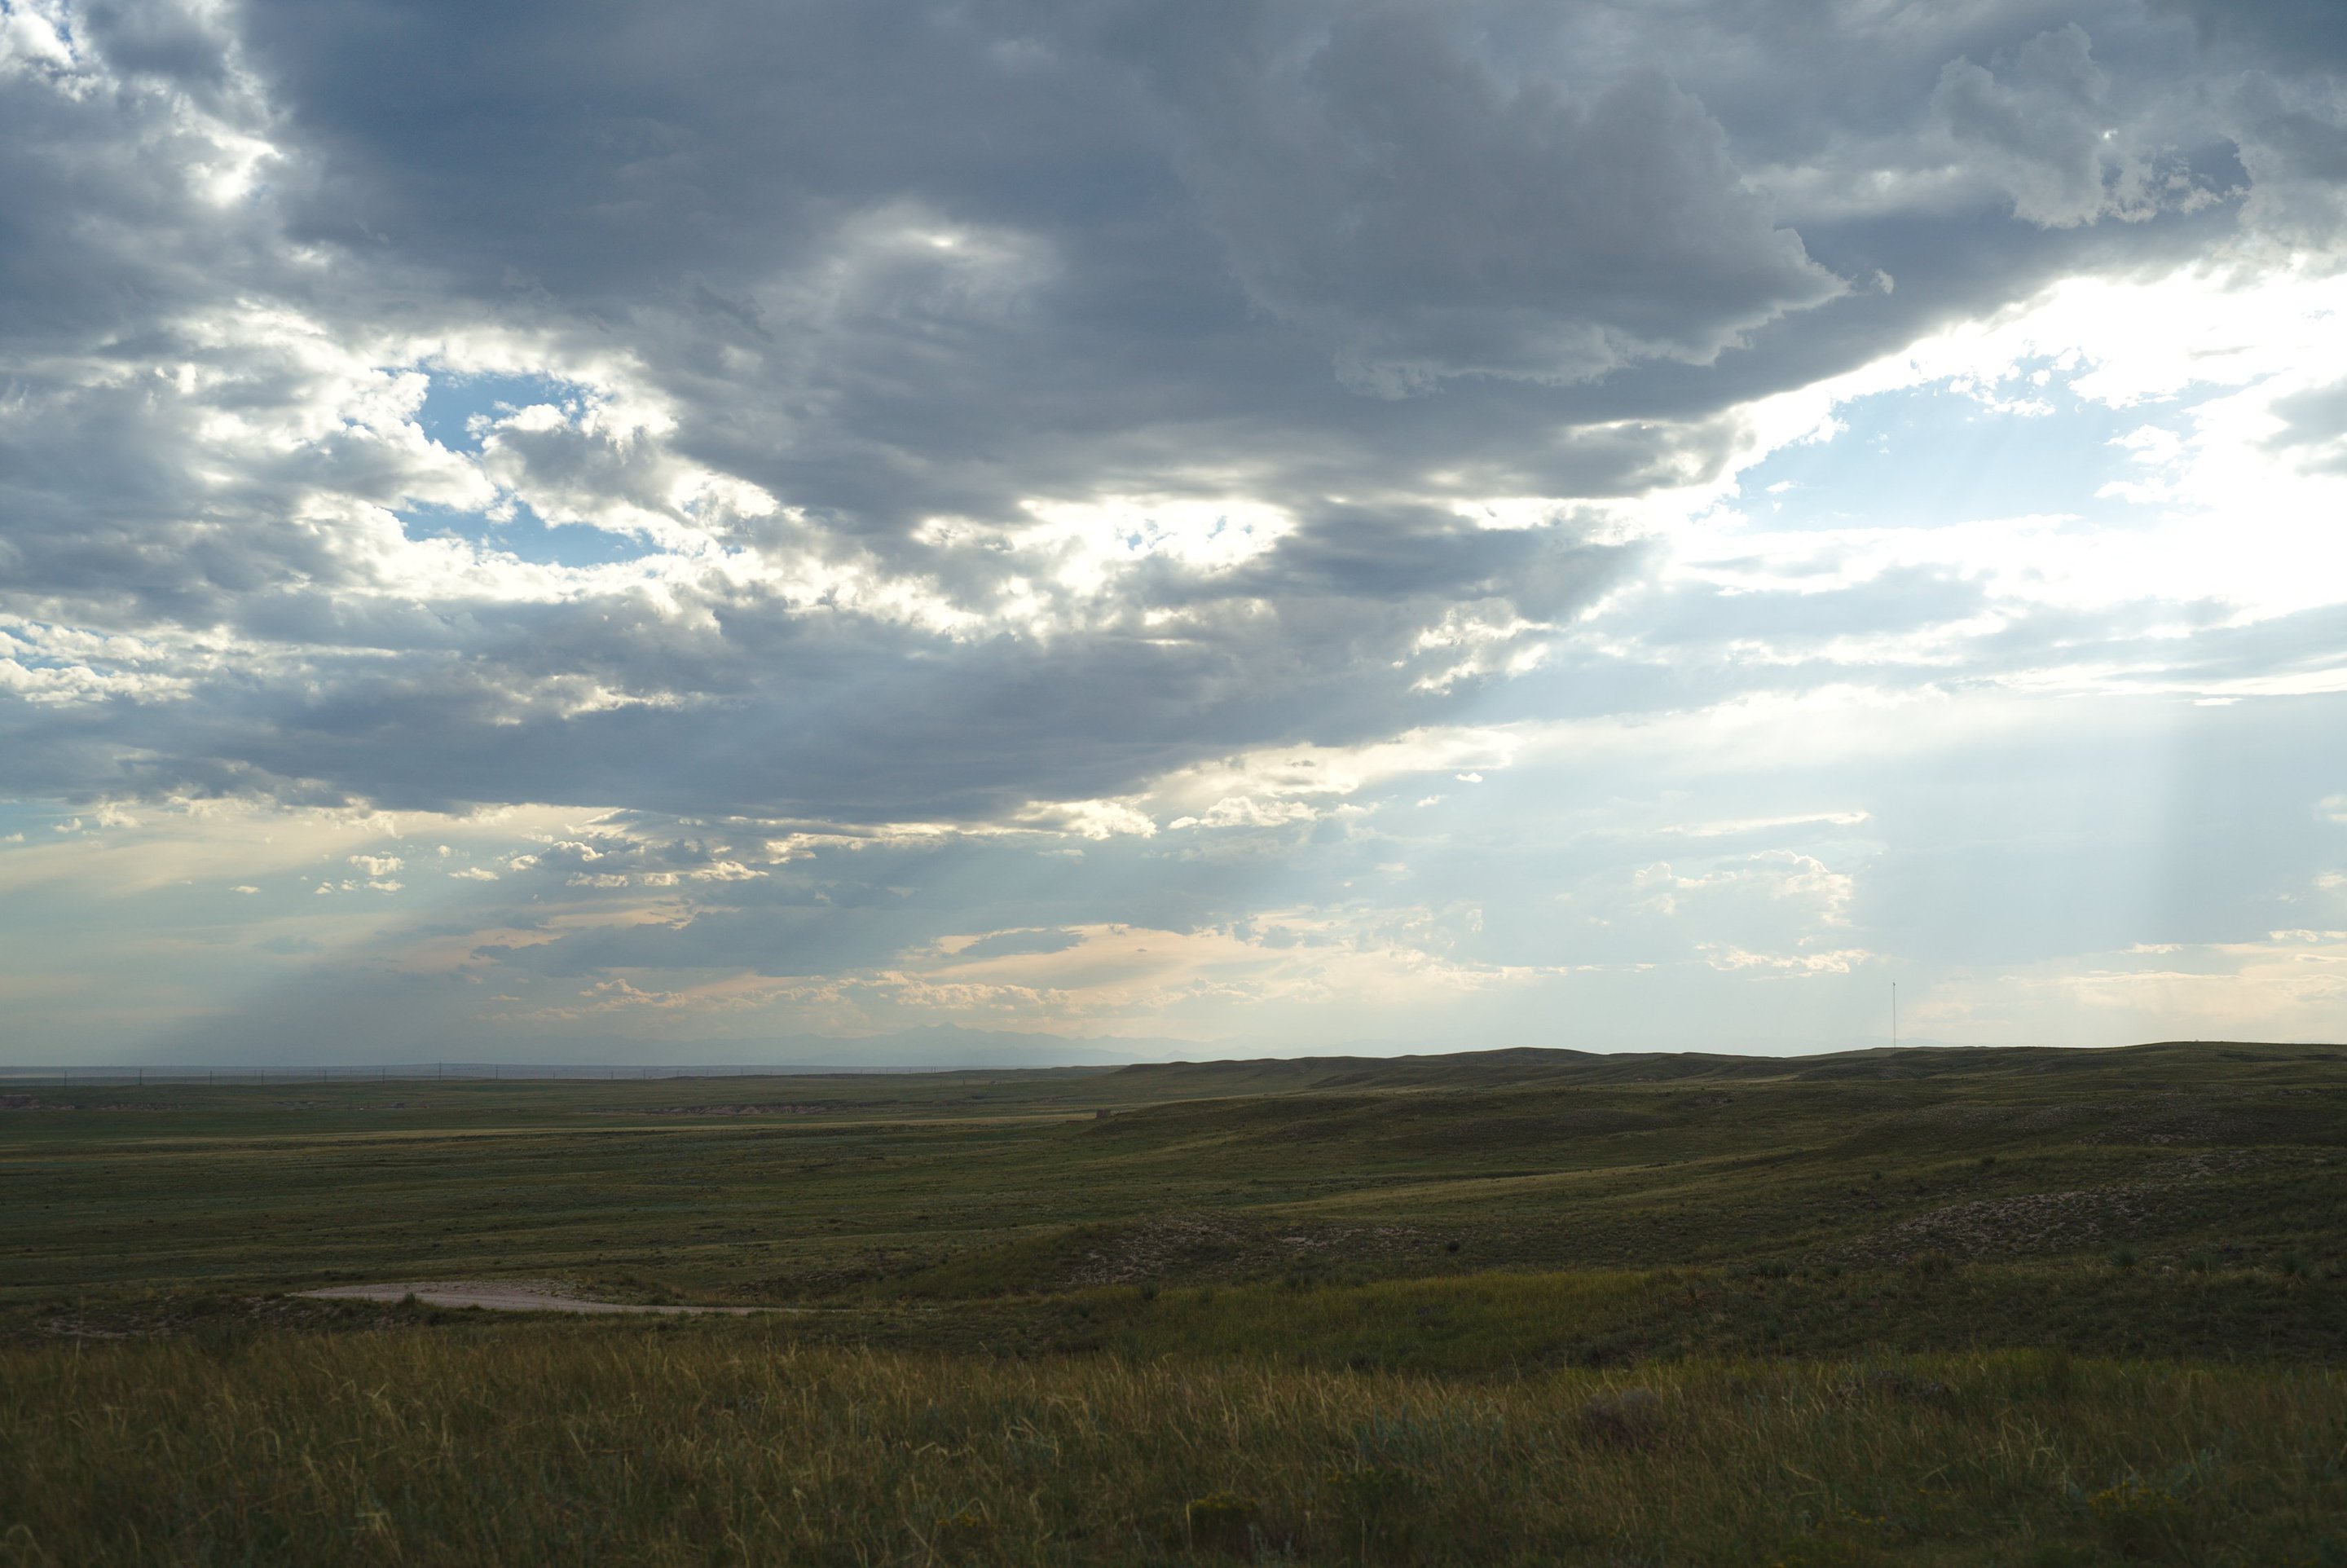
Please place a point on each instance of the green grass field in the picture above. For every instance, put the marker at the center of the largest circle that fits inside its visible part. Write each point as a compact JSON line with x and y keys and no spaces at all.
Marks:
{"x":1932,"y":1307}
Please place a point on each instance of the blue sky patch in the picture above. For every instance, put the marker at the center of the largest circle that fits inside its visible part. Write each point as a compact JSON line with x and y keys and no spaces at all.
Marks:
{"x":1929,"y":457}
{"x":457,"y":399}
{"x":525,"y":537}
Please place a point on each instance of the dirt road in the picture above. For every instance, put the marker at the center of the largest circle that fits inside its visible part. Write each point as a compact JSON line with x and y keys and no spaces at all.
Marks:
{"x":500,"y":1296}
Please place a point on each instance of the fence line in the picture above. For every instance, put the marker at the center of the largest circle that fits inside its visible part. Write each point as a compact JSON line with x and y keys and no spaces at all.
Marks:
{"x":439,"y":1071}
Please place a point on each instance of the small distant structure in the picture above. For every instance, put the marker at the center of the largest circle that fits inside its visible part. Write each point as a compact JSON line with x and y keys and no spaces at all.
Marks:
{"x":1103,"y":1115}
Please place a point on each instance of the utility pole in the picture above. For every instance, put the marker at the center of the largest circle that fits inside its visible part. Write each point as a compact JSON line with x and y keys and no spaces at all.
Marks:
{"x":1894,"y":1015}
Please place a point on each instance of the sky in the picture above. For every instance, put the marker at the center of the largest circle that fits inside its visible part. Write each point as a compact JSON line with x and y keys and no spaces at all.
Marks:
{"x":736,"y":530}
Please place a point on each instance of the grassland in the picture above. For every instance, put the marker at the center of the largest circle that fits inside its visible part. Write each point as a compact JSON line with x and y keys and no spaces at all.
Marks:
{"x":1961,"y":1307}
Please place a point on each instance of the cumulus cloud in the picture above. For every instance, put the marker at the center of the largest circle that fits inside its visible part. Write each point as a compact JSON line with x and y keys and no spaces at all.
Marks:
{"x":840,"y":519}
{"x":2046,"y":132}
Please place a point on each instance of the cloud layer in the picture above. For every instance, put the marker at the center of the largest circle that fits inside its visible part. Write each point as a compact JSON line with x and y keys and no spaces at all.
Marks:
{"x":829,"y":469}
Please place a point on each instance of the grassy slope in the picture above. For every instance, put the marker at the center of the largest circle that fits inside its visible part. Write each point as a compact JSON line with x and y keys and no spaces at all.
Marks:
{"x":1295,"y":1251}
{"x":687,"y":1444}
{"x":958,"y":1187}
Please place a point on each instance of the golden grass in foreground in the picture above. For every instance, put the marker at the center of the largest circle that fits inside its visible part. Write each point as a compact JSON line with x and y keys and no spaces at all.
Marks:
{"x":524,"y":1442}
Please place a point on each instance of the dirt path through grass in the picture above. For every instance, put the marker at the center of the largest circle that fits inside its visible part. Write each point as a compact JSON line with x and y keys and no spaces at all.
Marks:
{"x":497,"y":1296}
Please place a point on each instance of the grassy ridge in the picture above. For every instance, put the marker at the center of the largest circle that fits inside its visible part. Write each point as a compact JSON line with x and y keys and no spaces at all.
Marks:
{"x":960,"y":1187}
{"x":696,"y":1444}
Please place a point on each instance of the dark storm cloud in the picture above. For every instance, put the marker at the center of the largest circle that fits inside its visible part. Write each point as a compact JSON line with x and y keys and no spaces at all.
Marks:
{"x":2285,"y":35}
{"x":827,"y":294}
{"x":1390,"y":193}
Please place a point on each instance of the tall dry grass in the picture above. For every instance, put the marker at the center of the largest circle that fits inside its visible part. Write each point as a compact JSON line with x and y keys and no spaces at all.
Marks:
{"x":694,"y":1444}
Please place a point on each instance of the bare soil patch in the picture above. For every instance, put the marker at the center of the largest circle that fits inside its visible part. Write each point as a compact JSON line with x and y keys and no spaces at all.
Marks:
{"x":716,"y":1111}
{"x":497,"y":1295}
